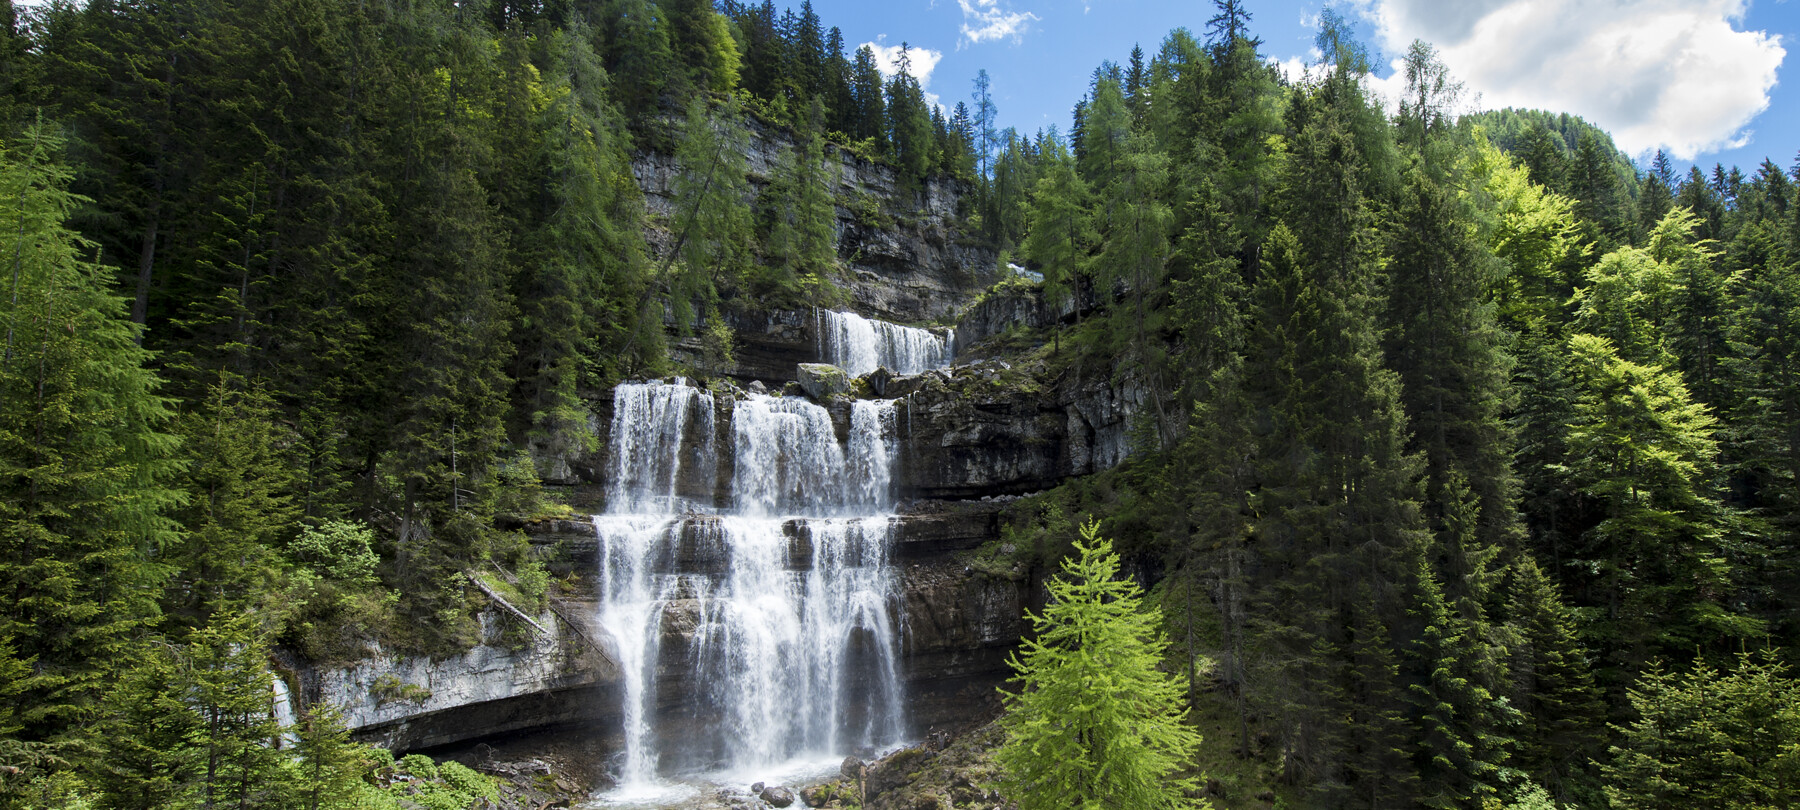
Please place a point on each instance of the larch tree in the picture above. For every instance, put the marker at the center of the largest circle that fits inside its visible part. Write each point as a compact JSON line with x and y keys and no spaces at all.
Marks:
{"x":1094,"y":724}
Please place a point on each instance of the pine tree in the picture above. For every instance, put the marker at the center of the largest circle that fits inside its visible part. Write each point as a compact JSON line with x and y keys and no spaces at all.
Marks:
{"x":239,"y":511}
{"x":638,"y":53}
{"x":983,"y":123}
{"x":909,"y":133}
{"x":1094,"y":723}
{"x":1105,"y":134}
{"x":1710,"y":739}
{"x":1131,"y":259}
{"x":582,"y":291}
{"x":800,"y":244}
{"x":870,"y":111}
{"x":712,"y":217}
{"x":329,"y":763}
{"x":85,"y":463}
{"x":701,"y":42}
{"x":1454,"y":377}
{"x":1559,"y":709}
{"x":1062,"y":230}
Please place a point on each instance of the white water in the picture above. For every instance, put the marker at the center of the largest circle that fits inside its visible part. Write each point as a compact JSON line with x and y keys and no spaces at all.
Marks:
{"x":775,"y":610}
{"x":282,"y":709}
{"x":859,"y":345}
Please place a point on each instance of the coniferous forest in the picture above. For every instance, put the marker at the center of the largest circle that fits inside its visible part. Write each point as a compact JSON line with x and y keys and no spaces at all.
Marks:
{"x":1467,"y":471}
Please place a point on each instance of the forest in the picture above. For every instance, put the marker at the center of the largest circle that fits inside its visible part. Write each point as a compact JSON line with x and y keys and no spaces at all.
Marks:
{"x":1467,"y":473}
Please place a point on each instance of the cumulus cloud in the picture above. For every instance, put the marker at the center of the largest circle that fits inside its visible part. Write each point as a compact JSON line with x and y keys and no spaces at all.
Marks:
{"x":921,"y":61}
{"x":1669,"y":74}
{"x":985,"y":20}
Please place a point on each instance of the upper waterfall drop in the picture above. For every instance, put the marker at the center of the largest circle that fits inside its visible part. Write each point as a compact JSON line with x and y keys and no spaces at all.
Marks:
{"x":749,"y":556}
{"x":860,"y":345}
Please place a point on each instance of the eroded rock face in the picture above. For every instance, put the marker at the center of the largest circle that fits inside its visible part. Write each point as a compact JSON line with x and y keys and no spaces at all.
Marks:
{"x":988,"y":429}
{"x":414,"y":702}
{"x":907,"y":258}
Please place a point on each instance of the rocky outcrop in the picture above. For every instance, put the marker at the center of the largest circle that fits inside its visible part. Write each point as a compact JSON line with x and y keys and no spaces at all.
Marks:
{"x":494,"y":688}
{"x":992,"y":429}
{"x":907,"y":258}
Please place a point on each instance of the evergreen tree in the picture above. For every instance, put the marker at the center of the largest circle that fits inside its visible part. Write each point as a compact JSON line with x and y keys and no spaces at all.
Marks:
{"x":1559,"y":709}
{"x":909,"y":132}
{"x":712,"y":218}
{"x":700,"y":41}
{"x":239,"y":511}
{"x":1132,"y":257}
{"x":1710,"y":739}
{"x":86,"y":467}
{"x":637,"y":51}
{"x":801,"y":237}
{"x":1105,"y":135}
{"x":581,"y":293}
{"x":1446,"y":347}
{"x":1062,"y":230}
{"x":870,"y":111}
{"x":1094,"y":724}
{"x":983,"y":124}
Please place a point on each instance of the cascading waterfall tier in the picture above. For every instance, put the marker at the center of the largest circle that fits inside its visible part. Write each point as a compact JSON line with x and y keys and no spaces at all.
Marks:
{"x":758,"y":631}
{"x":859,"y":345}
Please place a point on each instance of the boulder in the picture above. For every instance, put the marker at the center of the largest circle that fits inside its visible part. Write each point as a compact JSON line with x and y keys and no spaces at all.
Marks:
{"x":777,"y":796}
{"x":823,"y":382}
{"x":816,"y":796}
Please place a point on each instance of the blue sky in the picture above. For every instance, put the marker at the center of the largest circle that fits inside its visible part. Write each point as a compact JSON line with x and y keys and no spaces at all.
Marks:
{"x":1707,"y":80}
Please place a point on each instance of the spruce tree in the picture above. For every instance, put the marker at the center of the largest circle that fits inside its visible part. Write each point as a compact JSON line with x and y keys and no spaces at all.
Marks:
{"x":1711,"y":739}
{"x":86,"y":464}
{"x":712,"y":216}
{"x":1094,"y":724}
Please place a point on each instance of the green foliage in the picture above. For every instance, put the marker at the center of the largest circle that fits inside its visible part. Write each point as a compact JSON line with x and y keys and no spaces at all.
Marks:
{"x":388,"y":689}
{"x":1062,"y":231}
{"x":1644,"y":451}
{"x":1094,"y":723}
{"x":86,"y":467}
{"x":1709,"y":739}
{"x":339,"y":550}
{"x":712,"y":218}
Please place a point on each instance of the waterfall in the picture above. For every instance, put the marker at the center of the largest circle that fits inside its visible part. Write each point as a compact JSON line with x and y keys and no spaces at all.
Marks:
{"x":281,"y":707}
{"x":859,"y":345}
{"x":759,"y":632}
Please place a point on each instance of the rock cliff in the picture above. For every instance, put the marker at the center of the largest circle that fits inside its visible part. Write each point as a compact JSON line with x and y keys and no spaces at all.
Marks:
{"x":969,"y":438}
{"x":906,"y":257}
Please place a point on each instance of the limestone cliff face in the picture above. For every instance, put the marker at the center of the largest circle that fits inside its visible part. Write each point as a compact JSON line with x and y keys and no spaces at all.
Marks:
{"x":405,"y":702}
{"x":907,"y":258}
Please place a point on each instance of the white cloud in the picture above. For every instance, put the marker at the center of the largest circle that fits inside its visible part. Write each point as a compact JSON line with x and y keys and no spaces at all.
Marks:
{"x":921,"y":61}
{"x":1669,"y":74}
{"x":985,"y":20}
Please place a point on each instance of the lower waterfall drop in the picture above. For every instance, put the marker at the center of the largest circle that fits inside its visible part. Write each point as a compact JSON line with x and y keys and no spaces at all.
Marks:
{"x":758,"y":639}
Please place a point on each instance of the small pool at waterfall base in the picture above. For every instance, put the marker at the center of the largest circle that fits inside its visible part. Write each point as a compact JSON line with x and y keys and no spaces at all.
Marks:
{"x":721,"y":789}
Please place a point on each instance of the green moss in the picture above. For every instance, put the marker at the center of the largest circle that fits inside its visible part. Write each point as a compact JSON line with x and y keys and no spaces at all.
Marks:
{"x":389,"y":689}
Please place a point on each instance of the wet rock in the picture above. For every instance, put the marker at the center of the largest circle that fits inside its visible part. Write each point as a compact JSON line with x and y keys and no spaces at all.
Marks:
{"x":823,"y":382}
{"x":756,"y":387}
{"x":878,"y":381}
{"x":852,"y":768}
{"x":776,"y":796}
{"x":756,"y":788}
{"x":816,"y":796}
